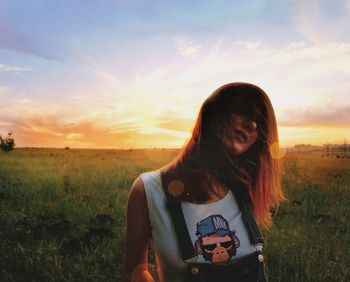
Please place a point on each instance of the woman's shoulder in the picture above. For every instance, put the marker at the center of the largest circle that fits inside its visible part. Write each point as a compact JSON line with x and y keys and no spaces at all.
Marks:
{"x":147,"y":195}
{"x":149,"y":177}
{"x":143,"y":180}
{"x":151,"y":183}
{"x":149,"y":173}
{"x":137,"y":191}
{"x":137,"y":186}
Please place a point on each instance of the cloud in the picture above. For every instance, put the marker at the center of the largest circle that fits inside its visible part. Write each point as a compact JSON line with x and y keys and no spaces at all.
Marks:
{"x":23,"y":39}
{"x":74,"y":135}
{"x":326,"y":116}
{"x":49,"y":131}
{"x":250,"y":44}
{"x":13,"y":69}
{"x":177,"y":124}
{"x":13,"y":40}
{"x":4,"y":91}
{"x":187,"y":47}
{"x":54,"y":131}
{"x":296,"y":76}
{"x":158,"y":107}
{"x":322,"y":21}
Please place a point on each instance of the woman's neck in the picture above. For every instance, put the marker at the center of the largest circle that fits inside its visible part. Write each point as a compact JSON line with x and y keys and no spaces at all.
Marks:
{"x":216,"y":193}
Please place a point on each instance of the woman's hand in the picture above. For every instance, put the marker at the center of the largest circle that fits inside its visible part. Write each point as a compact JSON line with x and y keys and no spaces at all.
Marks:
{"x":138,"y":234}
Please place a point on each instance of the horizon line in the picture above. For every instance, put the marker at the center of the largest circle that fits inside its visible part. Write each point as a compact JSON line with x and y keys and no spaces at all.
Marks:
{"x":144,"y":148}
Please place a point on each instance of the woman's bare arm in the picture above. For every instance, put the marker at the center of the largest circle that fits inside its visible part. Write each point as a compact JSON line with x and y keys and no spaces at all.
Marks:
{"x":138,"y":233}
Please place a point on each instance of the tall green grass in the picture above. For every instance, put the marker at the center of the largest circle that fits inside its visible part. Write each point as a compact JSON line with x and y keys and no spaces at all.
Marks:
{"x":310,"y":240}
{"x":63,"y":215}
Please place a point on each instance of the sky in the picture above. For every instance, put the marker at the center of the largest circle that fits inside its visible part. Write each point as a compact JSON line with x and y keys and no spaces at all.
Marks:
{"x":133,"y":74}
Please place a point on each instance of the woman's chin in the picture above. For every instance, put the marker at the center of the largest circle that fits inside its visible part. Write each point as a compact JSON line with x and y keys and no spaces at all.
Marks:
{"x":238,"y":147}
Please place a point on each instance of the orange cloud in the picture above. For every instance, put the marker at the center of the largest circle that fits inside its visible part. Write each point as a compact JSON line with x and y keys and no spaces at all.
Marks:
{"x":40,"y":131}
{"x":177,"y":124}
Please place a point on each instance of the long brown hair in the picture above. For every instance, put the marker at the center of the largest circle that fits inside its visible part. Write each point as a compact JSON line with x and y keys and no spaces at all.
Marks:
{"x":204,"y":161}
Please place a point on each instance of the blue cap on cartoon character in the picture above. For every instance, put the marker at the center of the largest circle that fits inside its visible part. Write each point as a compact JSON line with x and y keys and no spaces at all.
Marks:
{"x":213,"y":224}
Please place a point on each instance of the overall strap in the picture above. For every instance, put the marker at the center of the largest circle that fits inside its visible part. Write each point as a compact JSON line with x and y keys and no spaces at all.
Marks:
{"x":245,"y":205}
{"x":174,"y":206}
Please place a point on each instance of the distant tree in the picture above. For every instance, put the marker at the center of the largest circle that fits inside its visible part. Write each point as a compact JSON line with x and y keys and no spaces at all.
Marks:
{"x":7,"y":144}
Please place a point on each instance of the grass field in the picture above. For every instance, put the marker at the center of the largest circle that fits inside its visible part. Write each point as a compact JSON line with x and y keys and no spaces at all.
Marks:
{"x":63,"y":215}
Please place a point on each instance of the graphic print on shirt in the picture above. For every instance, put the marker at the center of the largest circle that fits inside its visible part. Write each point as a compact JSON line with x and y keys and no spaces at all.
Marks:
{"x":216,"y":242}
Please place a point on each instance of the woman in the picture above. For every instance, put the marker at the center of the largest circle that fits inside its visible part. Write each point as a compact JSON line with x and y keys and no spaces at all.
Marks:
{"x":229,"y":153}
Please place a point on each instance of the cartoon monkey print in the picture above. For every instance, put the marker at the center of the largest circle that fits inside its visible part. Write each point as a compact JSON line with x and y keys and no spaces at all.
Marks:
{"x":216,"y":242}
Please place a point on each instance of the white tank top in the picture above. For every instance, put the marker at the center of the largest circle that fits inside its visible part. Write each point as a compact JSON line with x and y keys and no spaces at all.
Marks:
{"x":217,"y":231}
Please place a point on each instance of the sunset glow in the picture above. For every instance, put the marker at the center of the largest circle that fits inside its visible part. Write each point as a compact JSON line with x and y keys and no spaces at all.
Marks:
{"x":133,"y":74}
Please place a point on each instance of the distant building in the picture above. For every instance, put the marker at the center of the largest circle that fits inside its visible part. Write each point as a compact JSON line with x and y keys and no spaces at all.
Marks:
{"x":305,"y":148}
